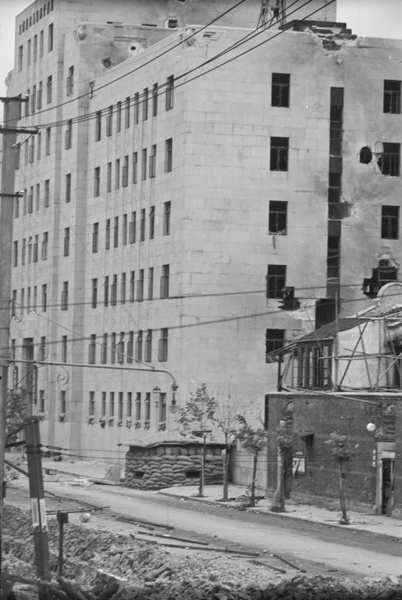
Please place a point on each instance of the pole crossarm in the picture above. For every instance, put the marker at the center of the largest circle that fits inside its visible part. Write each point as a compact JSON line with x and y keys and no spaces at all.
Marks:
{"x":13,"y":99}
{"x":18,"y":130}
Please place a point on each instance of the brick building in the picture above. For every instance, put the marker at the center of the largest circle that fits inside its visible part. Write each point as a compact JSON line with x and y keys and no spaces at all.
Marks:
{"x":186,"y":217}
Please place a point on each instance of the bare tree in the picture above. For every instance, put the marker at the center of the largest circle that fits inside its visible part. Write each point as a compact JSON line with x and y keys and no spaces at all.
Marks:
{"x":197,"y":418}
{"x":226,"y":421}
{"x":254,"y":440}
{"x":341,"y":451}
{"x":285,"y":439}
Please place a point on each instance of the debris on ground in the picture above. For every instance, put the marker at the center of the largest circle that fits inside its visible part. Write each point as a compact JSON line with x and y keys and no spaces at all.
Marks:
{"x":99,"y":565}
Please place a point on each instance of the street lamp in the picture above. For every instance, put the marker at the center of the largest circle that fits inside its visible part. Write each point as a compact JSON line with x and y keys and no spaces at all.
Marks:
{"x":157,"y":394}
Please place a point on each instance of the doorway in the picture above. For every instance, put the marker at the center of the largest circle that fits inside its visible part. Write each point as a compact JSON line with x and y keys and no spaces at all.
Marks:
{"x":387,"y":485}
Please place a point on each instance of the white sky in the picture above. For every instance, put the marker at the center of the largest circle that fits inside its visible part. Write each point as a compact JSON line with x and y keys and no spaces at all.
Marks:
{"x":375,"y":18}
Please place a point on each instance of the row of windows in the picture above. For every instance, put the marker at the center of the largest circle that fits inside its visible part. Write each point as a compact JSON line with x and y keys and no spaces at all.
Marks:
{"x":30,"y":148}
{"x":30,"y":249}
{"x":277,"y":221}
{"x":120,"y":348}
{"x":122,"y":168}
{"x":146,"y":104}
{"x":130,"y":288}
{"x":30,"y":301}
{"x":121,"y":230}
{"x":280,"y":93}
{"x":36,"y":16}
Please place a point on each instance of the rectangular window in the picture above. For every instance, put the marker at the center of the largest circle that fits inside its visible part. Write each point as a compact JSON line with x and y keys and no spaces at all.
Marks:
{"x":39,"y":95}
{"x":152,"y":222}
{"x":148,"y":346}
{"x":70,"y":82}
{"x":68,"y":141}
{"x":35,"y":48}
{"x":37,"y":196}
{"x":135,"y":167}
{"x":68,"y":187}
{"x":169,"y":93}
{"x":41,"y":43}
{"x":39,"y":146}
{"x":277,"y":217}
{"x":44,"y":298}
{"x":124,"y":178}
{"x":63,"y":405}
{"x":162,"y":412}
{"x":136,"y":108}
{"x":163,"y":346}
{"x":118,"y":117}
{"x":390,"y":222}
{"x":104,"y":350}
{"x":140,"y":286}
{"x":142,"y":225}
{"x":95,"y":237}
{"x":389,"y":160}
{"x":132,"y":286}
{"x":91,"y":404}
{"x":132,"y":228}
{"x":27,"y":103}
{"x":50,"y":39}
{"x":152,"y":162}
{"x":145,"y":104}
{"x":103,"y":405}
{"x":169,"y":155}
{"x":392,"y":96}
{"x":48,"y":140}
{"x":164,"y":291}
{"x":20,"y":57}
{"x":97,"y":181}
{"x":280,"y":89}
{"x":64,"y":296}
{"x":333,"y":256}
{"x":129,"y":404}
{"x":113,"y":349}
{"x":33,"y":99}
{"x":92,"y":350}
{"x":147,"y":415}
{"x":107,"y":236}
{"x":274,"y":340}
{"x":49,"y":88}
{"x":35,"y":298}
{"x":116,"y":232}
{"x":276,"y":281}
{"x":111,"y":404}
{"x":117,"y":174}
{"x":29,"y":53}
{"x":94,"y":299}
{"x":124,"y":230}
{"x":30,"y":200}
{"x":127,"y":112}
{"x":98,"y":126}
{"x":167,"y":207}
{"x":106,"y":291}
{"x":130,"y":347}
{"x":35,"y":249}
{"x":120,"y":407}
{"x":18,"y":155}
{"x":151,"y":283}
{"x":144,"y":165}
{"x":120,"y":349}
{"x":109,"y":121}
{"x":44,"y":245}
{"x":113,"y":291}
{"x":15,"y":254}
{"x":31,"y":151}
{"x":138,"y":406}
{"x":123,"y":289}
{"x":155,"y":100}
{"x":29,"y":250}
{"x":109,"y":177}
{"x":279,"y":154}
{"x":66,"y":241}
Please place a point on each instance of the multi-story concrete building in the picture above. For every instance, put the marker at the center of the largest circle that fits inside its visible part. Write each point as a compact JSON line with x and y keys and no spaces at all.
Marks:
{"x":194,"y":196}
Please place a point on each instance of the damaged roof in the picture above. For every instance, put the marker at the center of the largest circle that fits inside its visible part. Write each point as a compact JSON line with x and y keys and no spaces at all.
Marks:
{"x":329,"y":331}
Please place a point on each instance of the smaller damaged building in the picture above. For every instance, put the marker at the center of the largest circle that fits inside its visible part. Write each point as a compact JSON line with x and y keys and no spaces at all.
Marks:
{"x":344,"y":377}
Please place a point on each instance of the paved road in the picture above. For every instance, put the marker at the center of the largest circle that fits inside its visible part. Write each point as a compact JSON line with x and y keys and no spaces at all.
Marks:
{"x":316,"y":547}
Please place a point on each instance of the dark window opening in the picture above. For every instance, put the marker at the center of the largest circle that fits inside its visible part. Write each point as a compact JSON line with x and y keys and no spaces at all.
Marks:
{"x":274,"y":340}
{"x":390,"y":222}
{"x":279,"y":154}
{"x":138,"y":474}
{"x":333,"y":256}
{"x":389,"y":159}
{"x":277,"y":217}
{"x":392,"y":96}
{"x":276,"y":281}
{"x":314,"y":366}
{"x":280,"y":89}
{"x":325,"y":312}
{"x":193,"y":474}
{"x":334,"y":188}
{"x":383,"y":274}
{"x":366,"y":155}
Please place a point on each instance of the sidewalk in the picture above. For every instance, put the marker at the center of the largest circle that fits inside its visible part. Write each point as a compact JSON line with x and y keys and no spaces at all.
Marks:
{"x":97,"y":472}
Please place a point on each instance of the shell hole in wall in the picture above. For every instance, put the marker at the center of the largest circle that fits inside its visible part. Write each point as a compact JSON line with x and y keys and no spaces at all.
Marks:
{"x":365,"y":155}
{"x":193,"y":474}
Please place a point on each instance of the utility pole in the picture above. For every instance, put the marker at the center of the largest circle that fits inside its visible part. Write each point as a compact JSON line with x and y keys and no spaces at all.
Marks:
{"x":37,"y":495}
{"x":7,"y":199}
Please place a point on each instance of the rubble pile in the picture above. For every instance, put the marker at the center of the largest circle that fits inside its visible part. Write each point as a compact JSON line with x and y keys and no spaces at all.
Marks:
{"x":101,"y":565}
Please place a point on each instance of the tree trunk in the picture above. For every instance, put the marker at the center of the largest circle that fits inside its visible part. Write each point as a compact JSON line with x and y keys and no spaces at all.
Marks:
{"x":202,"y":473}
{"x":342,"y":500}
{"x":226,"y":470}
{"x":278,"y":504}
{"x":255,"y":461}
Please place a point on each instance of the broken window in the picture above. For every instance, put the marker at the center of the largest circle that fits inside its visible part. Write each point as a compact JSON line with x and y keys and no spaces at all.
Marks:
{"x":274,"y":340}
{"x":276,"y":281}
{"x":280,"y":89}
{"x":279,"y":154}
{"x":277,"y":217}
{"x":385,"y":273}
{"x":389,"y":159}
{"x":392,"y":96}
{"x":390,"y":222}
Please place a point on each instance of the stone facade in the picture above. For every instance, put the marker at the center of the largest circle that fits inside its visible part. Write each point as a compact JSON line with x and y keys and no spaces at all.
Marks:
{"x":167,"y":465}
